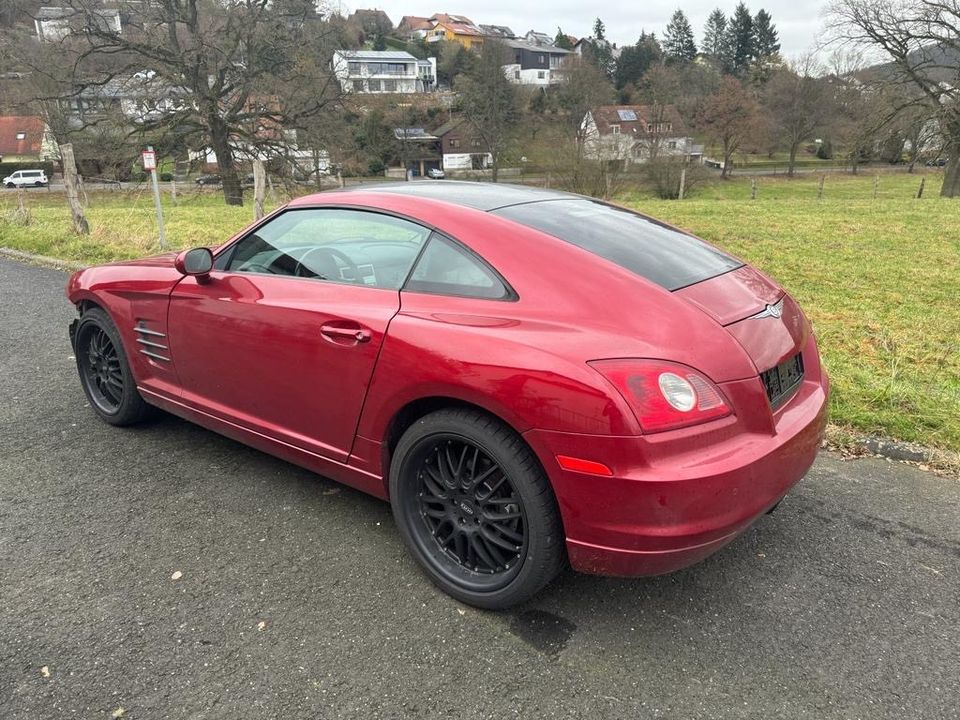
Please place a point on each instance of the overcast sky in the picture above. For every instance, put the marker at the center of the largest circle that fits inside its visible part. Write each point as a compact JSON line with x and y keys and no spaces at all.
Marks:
{"x":798,"y":21}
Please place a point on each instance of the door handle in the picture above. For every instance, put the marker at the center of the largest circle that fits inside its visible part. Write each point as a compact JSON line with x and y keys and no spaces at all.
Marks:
{"x":335,"y":333}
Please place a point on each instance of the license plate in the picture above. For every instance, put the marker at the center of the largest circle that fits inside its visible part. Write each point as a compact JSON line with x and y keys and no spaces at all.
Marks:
{"x":781,"y":381}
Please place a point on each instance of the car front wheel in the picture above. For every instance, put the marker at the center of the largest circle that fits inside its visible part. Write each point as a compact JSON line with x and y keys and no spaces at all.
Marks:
{"x":475,"y":508}
{"x":104,"y":372}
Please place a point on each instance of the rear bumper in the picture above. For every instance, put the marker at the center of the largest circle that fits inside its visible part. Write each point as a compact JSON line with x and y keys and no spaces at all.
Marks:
{"x":675,"y":498}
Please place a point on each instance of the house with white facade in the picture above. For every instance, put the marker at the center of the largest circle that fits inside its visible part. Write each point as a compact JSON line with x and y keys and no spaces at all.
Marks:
{"x":633,"y":134}
{"x":53,"y":24}
{"x":383,"y":71}
{"x":534,"y":64}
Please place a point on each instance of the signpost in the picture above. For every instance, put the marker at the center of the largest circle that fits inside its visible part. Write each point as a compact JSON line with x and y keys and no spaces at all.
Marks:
{"x":150,"y":165}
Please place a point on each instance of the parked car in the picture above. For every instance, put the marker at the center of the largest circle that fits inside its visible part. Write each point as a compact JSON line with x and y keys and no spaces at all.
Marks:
{"x":603,"y":389}
{"x":26,"y":178}
{"x":936,"y":162}
{"x":435,"y":174}
{"x":208,"y":180}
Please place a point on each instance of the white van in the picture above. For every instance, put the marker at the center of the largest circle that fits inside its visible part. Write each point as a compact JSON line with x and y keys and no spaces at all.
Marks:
{"x":26,"y":178}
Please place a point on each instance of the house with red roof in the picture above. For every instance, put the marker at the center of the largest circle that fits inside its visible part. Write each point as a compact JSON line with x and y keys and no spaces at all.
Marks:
{"x":25,"y":139}
{"x":637,"y":133}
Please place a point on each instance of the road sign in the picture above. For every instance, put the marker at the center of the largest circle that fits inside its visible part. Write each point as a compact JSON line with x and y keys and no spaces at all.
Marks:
{"x":149,"y":160}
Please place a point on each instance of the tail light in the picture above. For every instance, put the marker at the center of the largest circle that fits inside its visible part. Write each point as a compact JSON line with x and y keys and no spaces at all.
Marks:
{"x":664,"y":395}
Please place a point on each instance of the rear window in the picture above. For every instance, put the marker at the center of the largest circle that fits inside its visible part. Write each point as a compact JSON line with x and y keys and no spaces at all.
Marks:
{"x":658,"y":253}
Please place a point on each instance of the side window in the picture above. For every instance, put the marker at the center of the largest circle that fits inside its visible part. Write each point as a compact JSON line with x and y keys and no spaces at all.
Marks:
{"x":344,"y":246}
{"x":445,"y":268}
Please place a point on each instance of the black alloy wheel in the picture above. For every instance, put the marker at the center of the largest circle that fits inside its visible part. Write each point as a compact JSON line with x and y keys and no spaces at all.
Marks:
{"x":470,"y":509}
{"x":475,"y":509}
{"x":104,"y":371}
{"x":100,"y":369}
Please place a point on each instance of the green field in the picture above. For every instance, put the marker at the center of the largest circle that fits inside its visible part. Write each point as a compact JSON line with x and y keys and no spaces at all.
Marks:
{"x":879,"y":277}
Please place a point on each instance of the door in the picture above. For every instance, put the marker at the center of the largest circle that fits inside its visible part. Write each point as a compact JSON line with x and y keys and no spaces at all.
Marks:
{"x":284,"y":335}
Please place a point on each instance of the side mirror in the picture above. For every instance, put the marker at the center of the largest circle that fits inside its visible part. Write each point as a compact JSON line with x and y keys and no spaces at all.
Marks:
{"x":197,"y":262}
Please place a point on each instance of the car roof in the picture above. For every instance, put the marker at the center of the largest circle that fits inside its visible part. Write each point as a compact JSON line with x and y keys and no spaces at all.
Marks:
{"x":480,"y":196}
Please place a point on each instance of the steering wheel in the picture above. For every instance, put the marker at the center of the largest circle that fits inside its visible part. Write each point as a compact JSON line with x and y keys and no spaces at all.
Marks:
{"x":301,"y":269}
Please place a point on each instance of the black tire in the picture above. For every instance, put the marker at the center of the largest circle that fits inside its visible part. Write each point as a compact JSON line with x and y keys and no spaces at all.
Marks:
{"x":11,"y":185}
{"x":504,"y":571}
{"x":38,"y":184}
{"x":104,"y":371}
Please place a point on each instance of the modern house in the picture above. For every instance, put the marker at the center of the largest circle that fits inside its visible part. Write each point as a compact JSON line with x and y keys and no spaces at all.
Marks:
{"x":417,"y":151}
{"x":461,"y":147}
{"x":634,"y":134}
{"x":52,"y":24}
{"x":26,"y":139}
{"x":533,"y":64}
{"x":383,"y":71}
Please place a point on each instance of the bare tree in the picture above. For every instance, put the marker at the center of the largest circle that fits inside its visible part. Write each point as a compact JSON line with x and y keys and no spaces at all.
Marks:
{"x":225,"y":74}
{"x":922,"y":40}
{"x":799,"y":103}
{"x":731,"y":116}
{"x":490,"y":102}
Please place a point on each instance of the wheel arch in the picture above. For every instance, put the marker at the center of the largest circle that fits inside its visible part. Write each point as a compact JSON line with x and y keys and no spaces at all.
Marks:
{"x":418,"y":408}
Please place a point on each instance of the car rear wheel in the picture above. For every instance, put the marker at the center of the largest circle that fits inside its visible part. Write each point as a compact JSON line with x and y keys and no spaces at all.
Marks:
{"x":475,"y":508}
{"x":38,"y":184}
{"x":104,"y":372}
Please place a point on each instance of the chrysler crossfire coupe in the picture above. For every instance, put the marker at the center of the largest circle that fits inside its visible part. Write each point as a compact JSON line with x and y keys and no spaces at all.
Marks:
{"x":531,"y":378}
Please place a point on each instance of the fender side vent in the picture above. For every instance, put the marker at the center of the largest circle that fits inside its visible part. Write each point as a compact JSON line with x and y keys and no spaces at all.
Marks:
{"x":151,"y":342}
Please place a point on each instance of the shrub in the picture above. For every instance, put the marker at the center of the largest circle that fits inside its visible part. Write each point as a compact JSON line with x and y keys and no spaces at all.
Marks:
{"x":166,"y":176}
{"x":376,"y":167}
{"x":825,"y":151}
{"x":664,"y":176}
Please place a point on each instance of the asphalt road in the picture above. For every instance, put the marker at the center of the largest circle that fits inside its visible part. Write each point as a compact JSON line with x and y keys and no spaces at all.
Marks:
{"x":297,"y":600}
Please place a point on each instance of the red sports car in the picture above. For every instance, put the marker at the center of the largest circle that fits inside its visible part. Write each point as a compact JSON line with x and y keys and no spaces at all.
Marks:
{"x":530,"y":377}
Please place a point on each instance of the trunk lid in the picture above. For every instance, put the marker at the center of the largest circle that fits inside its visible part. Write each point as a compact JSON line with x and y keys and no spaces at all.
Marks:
{"x":764,"y":320}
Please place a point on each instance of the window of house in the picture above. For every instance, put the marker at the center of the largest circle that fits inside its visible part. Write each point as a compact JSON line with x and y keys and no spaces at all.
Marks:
{"x":358,"y":85}
{"x":353,"y":68}
{"x":516,"y":74}
{"x":445,"y":268}
{"x":476,"y":143}
{"x":672,"y":144}
{"x":389,"y":85}
{"x":615,"y":129}
{"x":541,"y":59}
{"x":355,"y":247}
{"x":21,"y":136}
{"x":541,"y":74}
{"x":374,"y":85}
{"x":454,"y":142}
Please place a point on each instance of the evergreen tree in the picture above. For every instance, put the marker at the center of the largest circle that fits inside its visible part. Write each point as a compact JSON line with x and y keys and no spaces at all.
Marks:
{"x":741,"y":41}
{"x":636,"y":60}
{"x":765,"y":33}
{"x":715,"y":35}
{"x":599,"y":29}
{"x":678,"y":42}
{"x":562,"y":41}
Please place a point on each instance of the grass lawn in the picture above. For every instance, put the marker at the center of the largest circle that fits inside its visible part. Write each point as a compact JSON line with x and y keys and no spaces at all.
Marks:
{"x":879,"y":278}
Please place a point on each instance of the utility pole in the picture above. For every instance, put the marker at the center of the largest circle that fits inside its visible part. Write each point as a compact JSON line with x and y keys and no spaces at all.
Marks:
{"x":150,"y":164}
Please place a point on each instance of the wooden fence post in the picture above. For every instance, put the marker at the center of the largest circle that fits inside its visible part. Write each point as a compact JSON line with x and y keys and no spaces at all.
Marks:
{"x":876,"y":186}
{"x":753,"y":188}
{"x":173,"y":189}
{"x":920,"y":189}
{"x":259,"y":188}
{"x":683,"y":182}
{"x":80,"y":224}
{"x":820,"y":188}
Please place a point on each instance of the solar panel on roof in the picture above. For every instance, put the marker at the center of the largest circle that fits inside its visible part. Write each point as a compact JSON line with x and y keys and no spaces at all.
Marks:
{"x":627,"y":115}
